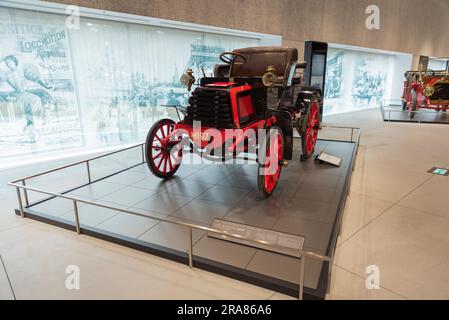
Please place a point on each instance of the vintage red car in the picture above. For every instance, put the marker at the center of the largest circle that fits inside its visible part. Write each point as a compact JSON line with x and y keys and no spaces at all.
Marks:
{"x":428,"y":89}
{"x":257,"y":90}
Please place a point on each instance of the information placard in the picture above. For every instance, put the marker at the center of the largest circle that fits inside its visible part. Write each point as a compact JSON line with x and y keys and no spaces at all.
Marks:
{"x":328,"y":158}
{"x":284,"y":243}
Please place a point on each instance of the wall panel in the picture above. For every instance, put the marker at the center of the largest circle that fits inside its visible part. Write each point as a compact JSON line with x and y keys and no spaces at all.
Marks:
{"x":406,"y":25}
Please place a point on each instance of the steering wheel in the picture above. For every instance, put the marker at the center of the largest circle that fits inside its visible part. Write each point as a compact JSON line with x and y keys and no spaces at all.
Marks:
{"x":230,"y":57}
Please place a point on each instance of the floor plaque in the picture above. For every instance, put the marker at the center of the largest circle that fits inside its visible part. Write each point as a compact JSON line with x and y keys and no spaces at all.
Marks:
{"x":328,"y":158}
{"x":285,"y":243}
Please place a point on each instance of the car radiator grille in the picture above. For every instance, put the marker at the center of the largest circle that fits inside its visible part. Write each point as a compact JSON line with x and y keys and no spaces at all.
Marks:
{"x":441,"y":92}
{"x":211,"y":107}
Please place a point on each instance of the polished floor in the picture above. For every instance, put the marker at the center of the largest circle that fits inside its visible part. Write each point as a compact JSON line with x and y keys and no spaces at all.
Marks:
{"x":306,"y":204}
{"x":396,"y":218}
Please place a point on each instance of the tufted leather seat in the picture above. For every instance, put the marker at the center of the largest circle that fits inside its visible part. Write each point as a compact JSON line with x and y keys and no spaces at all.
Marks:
{"x":259,"y":58}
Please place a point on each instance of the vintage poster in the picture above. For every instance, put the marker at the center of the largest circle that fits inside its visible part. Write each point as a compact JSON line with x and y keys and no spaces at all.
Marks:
{"x":38,"y":107}
{"x":101,"y":84}
{"x":356,"y":80}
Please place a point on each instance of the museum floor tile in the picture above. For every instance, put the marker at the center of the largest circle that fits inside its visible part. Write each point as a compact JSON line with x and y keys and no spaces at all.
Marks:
{"x":396,"y":218}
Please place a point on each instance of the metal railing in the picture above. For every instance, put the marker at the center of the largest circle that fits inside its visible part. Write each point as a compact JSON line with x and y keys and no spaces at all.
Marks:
{"x":389,"y":107}
{"x":20,"y":184}
{"x":353,"y":129}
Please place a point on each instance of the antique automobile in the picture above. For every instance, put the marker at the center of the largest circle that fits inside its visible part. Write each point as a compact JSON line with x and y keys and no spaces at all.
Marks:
{"x":255,"y":90}
{"x":425,"y":89}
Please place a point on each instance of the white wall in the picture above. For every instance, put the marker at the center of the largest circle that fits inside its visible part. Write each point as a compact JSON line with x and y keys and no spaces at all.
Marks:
{"x":402,"y":63}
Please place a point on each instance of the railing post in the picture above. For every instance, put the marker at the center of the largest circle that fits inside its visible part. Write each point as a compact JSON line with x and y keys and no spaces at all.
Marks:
{"x":190,"y":248}
{"x":329,"y":275}
{"x":25,"y":193}
{"x":77,"y":219}
{"x":301,"y":276}
{"x":19,"y":198}
{"x":88,"y":171}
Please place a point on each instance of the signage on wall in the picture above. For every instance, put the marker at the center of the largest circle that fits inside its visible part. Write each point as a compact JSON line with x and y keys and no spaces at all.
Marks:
{"x":439,"y":171}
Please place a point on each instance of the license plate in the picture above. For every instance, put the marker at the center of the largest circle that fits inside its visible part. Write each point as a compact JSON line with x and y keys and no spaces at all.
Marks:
{"x":203,"y":136}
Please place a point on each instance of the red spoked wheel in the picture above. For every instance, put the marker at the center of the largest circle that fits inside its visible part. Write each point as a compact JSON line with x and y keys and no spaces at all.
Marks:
{"x":163,"y":149}
{"x":310,"y":132}
{"x":271,"y":153}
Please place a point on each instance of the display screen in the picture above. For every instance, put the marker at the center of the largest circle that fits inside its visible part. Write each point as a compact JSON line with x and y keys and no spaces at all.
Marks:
{"x":318,"y":65}
{"x":102,"y":84}
{"x":356,"y":80}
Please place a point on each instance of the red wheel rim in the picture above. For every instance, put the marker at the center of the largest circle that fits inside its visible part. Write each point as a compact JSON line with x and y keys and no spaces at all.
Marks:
{"x":312,"y":128}
{"x":165,"y":152}
{"x":275,"y":148}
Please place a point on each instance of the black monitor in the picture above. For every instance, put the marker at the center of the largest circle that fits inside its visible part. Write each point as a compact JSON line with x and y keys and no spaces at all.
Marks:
{"x":315,"y":53}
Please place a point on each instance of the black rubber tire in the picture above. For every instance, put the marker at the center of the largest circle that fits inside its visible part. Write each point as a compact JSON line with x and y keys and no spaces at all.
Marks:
{"x":264,"y":193}
{"x":151,"y":164}
{"x":414,"y":104}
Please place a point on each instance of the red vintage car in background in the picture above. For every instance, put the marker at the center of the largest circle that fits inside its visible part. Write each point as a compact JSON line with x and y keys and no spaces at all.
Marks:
{"x":425,"y":89}
{"x":256,"y":89}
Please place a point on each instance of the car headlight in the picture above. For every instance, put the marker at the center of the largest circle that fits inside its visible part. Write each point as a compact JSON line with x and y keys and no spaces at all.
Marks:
{"x":270,"y":77}
{"x":429,"y":91}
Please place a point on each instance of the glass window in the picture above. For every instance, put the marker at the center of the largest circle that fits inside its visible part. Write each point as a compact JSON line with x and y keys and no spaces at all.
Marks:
{"x":97,"y":86}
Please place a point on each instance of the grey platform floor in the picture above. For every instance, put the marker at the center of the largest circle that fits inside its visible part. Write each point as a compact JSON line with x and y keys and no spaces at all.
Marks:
{"x":422,"y":116}
{"x":304,"y":203}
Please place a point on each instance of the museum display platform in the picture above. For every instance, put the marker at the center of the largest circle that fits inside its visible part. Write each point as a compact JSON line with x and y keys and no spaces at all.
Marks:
{"x":124,"y":203}
{"x":392,"y":112}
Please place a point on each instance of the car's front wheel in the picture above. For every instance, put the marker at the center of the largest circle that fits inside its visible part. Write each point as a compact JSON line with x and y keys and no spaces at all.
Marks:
{"x":163,"y":151}
{"x":271,"y":152}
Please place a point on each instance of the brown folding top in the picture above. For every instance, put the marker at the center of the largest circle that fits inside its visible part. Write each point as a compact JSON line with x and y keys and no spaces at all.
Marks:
{"x":259,"y":58}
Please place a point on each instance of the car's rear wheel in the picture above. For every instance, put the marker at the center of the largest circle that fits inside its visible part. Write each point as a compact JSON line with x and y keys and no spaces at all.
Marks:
{"x":163,"y":151}
{"x":311,"y":126}
{"x":413,"y":106}
{"x":271,"y":152}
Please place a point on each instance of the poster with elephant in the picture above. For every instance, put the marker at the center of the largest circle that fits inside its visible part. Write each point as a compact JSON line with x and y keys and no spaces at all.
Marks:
{"x":38,"y":107}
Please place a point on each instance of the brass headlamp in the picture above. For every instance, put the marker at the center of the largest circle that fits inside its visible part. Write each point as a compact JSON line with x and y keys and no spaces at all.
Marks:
{"x":270,"y":77}
{"x":429,"y":90}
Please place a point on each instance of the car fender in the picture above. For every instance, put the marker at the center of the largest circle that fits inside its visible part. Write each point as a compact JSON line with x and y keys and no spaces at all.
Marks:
{"x":284,"y":121}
